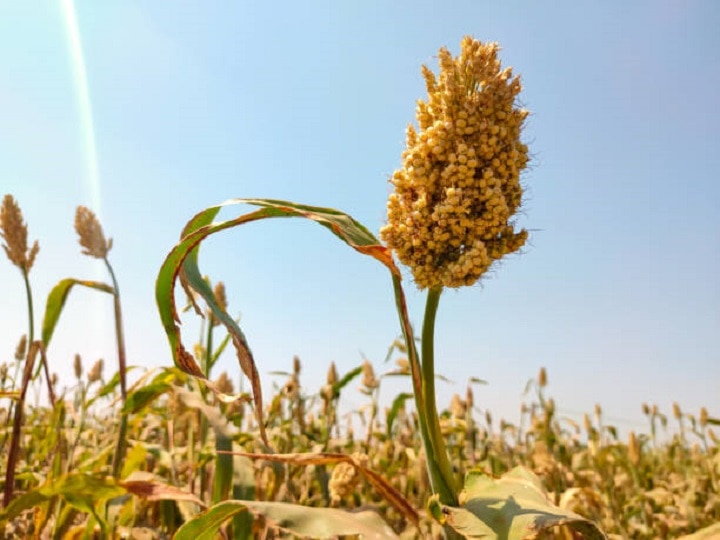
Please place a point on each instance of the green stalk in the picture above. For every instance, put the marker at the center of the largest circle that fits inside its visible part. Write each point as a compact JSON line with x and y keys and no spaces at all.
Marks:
{"x":31,"y":313}
{"x":18,"y":412}
{"x":204,"y":427}
{"x":31,"y":336}
{"x":122,"y":370}
{"x":448,"y":495}
{"x":13,"y":452}
{"x":208,"y":348}
{"x":437,"y":461}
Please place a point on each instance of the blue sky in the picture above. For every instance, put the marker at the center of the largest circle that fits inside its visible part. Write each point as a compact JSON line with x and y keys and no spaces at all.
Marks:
{"x":617,"y":293}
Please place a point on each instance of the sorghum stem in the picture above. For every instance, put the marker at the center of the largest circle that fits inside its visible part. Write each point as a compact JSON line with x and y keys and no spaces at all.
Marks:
{"x":438,"y":481}
{"x":448,"y":490}
{"x":122,"y":369}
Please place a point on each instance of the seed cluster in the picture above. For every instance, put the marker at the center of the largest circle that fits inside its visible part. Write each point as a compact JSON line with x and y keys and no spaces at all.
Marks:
{"x":345,"y":477}
{"x":90,"y":234}
{"x":13,"y":231}
{"x":449,"y":217}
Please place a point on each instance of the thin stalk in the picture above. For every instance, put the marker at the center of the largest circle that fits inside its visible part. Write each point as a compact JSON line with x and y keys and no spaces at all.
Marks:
{"x":119,"y":334}
{"x":204,"y":426}
{"x":31,"y":312}
{"x":437,"y":481}
{"x":207,"y":360}
{"x":440,"y":456}
{"x":18,"y":412}
{"x":14,"y":450}
{"x":122,"y":370}
{"x":31,"y":336}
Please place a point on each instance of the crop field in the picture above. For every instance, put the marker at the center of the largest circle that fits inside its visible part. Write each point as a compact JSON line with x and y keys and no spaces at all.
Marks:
{"x":636,"y":488}
{"x":103,"y":460}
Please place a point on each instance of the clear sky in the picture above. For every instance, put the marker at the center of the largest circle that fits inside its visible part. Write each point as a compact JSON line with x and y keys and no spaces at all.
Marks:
{"x":151,"y":111}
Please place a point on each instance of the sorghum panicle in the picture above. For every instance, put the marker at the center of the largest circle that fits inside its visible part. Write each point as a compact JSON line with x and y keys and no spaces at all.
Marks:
{"x":221,"y":299}
{"x":14,"y":233}
{"x":449,"y":217}
{"x":78,"y":367}
{"x":21,"y":348}
{"x":95,"y":373}
{"x":91,"y":234}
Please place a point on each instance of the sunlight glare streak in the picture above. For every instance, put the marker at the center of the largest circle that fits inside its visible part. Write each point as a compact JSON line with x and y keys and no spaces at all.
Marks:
{"x":82,"y":93}
{"x":84,"y":105}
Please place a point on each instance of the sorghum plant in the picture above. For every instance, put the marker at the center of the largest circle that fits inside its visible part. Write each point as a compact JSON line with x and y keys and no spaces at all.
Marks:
{"x":450,"y":217}
{"x":13,"y":230}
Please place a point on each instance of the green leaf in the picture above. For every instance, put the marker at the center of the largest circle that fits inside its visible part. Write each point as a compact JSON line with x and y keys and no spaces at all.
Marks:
{"x":302,"y":521}
{"x":141,"y":397}
{"x":182,"y":263}
{"x":397,"y":404}
{"x":81,"y":491}
{"x":346,"y":379}
{"x":222,"y":480}
{"x":512,"y":507}
{"x":56,"y":301}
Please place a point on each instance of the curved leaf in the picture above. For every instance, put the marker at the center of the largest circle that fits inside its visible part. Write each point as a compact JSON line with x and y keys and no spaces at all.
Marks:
{"x":397,"y":404}
{"x":301,"y":521}
{"x":141,"y":397}
{"x":82,"y":491}
{"x":56,"y":301}
{"x":345,"y":380}
{"x":513,"y":507}
{"x":182,"y":262}
{"x":392,"y":495}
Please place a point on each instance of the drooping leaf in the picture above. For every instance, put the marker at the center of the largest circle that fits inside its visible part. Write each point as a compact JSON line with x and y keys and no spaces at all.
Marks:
{"x":392,"y":495}
{"x":182,"y":263}
{"x":140,"y":398}
{"x":302,"y":521}
{"x":514,"y":506}
{"x":56,"y":301}
{"x":153,"y":490}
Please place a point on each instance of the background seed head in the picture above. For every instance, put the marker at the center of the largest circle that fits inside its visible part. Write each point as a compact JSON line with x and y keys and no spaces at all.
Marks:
{"x":92,"y":238}
{"x":13,"y":231}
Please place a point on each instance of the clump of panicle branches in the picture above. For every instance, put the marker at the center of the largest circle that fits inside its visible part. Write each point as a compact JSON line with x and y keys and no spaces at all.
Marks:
{"x":450,"y":214}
